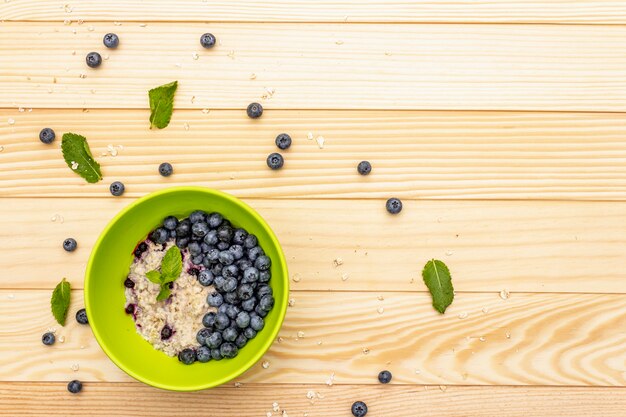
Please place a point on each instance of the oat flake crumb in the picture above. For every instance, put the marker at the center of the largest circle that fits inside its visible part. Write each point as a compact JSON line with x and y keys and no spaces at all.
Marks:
{"x":11,"y":296}
{"x":90,"y":28}
{"x":443,"y":388}
{"x":253,"y":76}
{"x":292,"y":302}
{"x":205,"y":111}
{"x":21,"y":109}
{"x":11,"y":121}
{"x":275,"y":407}
{"x":186,"y":126}
{"x":285,"y":414}
{"x":330,"y":380}
{"x":300,"y":334}
{"x":231,"y":54}
{"x":296,"y":278}
{"x":463,"y":315}
{"x":345,"y":276}
{"x":380,"y":310}
{"x":482,"y":338}
{"x":62,"y":339}
{"x":268,"y":414}
{"x":142,"y":25}
{"x":485,"y":310}
{"x":337,"y":262}
{"x":238,"y":384}
{"x":280,"y":339}
{"x":320,"y":141}
{"x":195,"y":56}
{"x":117,"y":23}
{"x":265,"y":364}
{"x":508,"y":335}
{"x":504,"y":294}
{"x":74,"y":367}
{"x":310,"y":395}
{"x":366,"y":351}
{"x":339,"y":42}
{"x":1,"y":148}
{"x":309,"y":135}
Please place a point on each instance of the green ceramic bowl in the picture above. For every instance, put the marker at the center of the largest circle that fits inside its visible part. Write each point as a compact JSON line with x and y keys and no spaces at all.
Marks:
{"x":108,"y":267}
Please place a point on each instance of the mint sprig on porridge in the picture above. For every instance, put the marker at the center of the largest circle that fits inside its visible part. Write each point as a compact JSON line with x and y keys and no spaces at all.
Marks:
{"x":171,"y":267}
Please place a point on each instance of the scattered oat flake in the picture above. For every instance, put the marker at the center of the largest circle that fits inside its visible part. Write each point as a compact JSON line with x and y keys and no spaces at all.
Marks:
{"x":388,"y":53}
{"x":345,"y":276}
{"x":285,"y":414}
{"x":280,"y":339}
{"x":67,"y":8}
{"x":74,"y":53}
{"x":205,"y":111}
{"x":21,"y":109}
{"x":90,"y":28}
{"x":275,"y":407}
{"x":67,"y":22}
{"x":11,"y":296}
{"x":253,"y":76}
{"x":508,"y":335}
{"x":380,"y":310}
{"x":296,"y":278}
{"x":62,"y":339}
{"x":74,"y":367}
{"x":320,"y":141}
{"x":300,"y":334}
{"x":11,"y":121}
{"x":142,"y":25}
{"x":330,"y":380}
{"x":238,"y":384}
{"x":482,"y":338}
{"x":292,"y":302}
{"x":485,"y":310}
{"x":417,"y":372}
{"x":449,"y":253}
{"x":443,"y":388}
{"x":366,"y":351}
{"x":265,"y":364}
{"x":268,"y":414}
{"x":1,"y":148}
{"x":106,"y":57}
{"x":195,"y":56}
{"x":309,"y":135}
{"x":117,"y":23}
{"x":319,"y":343}
{"x":74,"y":165}
{"x":337,"y":262}
{"x":231,"y":54}
{"x":463,"y":315}
{"x":193,"y":98}
{"x":504,"y":294}
{"x":310,"y":395}
{"x":186,"y":126}
{"x":380,"y":298}
{"x":339,"y":42}
{"x":81,"y":21}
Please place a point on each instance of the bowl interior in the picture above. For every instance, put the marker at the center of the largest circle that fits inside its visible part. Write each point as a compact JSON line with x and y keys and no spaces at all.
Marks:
{"x":108,"y":267}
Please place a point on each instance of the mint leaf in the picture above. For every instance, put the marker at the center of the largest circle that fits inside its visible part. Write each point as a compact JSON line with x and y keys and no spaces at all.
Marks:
{"x":162,"y":104}
{"x":78,"y":157}
{"x":154,"y":276}
{"x":439,"y":282}
{"x":60,"y":301}
{"x":172,"y":265}
{"x":164,"y":293}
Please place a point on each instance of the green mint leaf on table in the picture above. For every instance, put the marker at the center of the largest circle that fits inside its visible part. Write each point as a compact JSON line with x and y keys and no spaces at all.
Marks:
{"x":439,"y":282}
{"x":60,"y":301}
{"x":154,"y":276}
{"x":164,"y":293}
{"x":78,"y":157}
{"x":162,"y":104}
{"x":172,"y":265}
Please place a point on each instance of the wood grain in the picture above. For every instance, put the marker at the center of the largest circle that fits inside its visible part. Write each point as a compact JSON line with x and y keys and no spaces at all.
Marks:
{"x":499,"y":11}
{"x":520,"y":246}
{"x":254,"y":400}
{"x":425,"y":155}
{"x":555,"y":339}
{"x":320,"y":66}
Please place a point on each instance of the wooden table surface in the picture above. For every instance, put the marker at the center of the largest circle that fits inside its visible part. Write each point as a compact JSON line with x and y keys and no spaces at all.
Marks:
{"x":499,"y":123}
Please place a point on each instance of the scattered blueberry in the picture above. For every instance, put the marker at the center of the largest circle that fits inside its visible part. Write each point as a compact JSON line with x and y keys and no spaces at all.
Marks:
{"x":48,"y":339}
{"x":364,"y":167}
{"x":207,"y":40}
{"x":254,"y":110}
{"x":384,"y":377}
{"x":262,"y":263}
{"x":129,"y":283}
{"x":209,"y":319}
{"x":47,"y":135}
{"x":170,"y":223}
{"x":242,"y":320}
{"x":202,"y":335}
{"x":228,"y":350}
{"x":203,"y":354}
{"x":111,"y":40}
{"x":205,"y":277}
{"x":93,"y":59}
{"x":359,"y":409}
{"x":81,"y":316}
{"x":166,"y":169}
{"x":275,"y":160}
{"x":117,"y":188}
{"x":70,"y":244}
{"x":214,"y":340}
{"x":283,"y":141}
{"x":257,"y":323}
{"x":221,"y":321}
{"x":215,"y":299}
{"x":74,"y":386}
{"x":187,"y":356}
{"x":166,"y":332}
{"x":394,"y":205}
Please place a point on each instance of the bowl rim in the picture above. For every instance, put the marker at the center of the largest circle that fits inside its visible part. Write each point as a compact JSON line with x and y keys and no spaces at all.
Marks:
{"x":282,"y":307}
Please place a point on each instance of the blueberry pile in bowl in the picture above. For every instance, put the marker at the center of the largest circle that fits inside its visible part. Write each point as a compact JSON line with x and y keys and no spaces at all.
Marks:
{"x":217,"y":303}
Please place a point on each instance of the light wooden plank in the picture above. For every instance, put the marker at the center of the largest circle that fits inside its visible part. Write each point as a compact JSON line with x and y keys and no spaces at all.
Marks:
{"x":490,"y":246}
{"x":425,"y":155}
{"x":528,"y":339}
{"x":137,"y":400}
{"x":336,"y":66}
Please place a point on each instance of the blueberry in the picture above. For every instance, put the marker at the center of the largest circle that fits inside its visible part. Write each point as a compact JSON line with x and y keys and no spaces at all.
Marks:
{"x":215,"y":220}
{"x":160,"y":236}
{"x":242,"y":320}
{"x":141,"y":248}
{"x":209,"y":319}
{"x":197,"y":216}
{"x":243,"y":264}
{"x":48,"y":339}
{"x":211,"y":238}
{"x":117,"y":188}
{"x":250,"y":242}
{"x":250,"y":275}
{"x":250,"y":333}
{"x":172,"y":233}
{"x":166,"y":169}
{"x":264,"y":290}
{"x":231,"y":297}
{"x":218,"y":282}
{"x":256,"y":322}
{"x":214,"y":340}
{"x":47,"y":135}
{"x":384,"y":377}
{"x":245,"y":292}
{"x":111,"y":40}
{"x":194,"y":248}
{"x":230,"y":334}
{"x":75,"y":386}
{"x":230,"y":271}
{"x":205,"y":278}
{"x":259,"y":311}
{"x":204,"y":248}
{"x":232,"y":311}
{"x":200,"y":229}
{"x":93,"y":59}
{"x":359,"y":409}
{"x":193,"y":271}
{"x":228,"y":350}
{"x":237,"y":251}
{"x":222,"y":309}
{"x":283,"y":141}
{"x":216,"y":355}
{"x":166,"y":332}
{"x":215,"y":299}
{"x":230,"y":284}
{"x":202,"y":335}
{"x":225,"y":233}
{"x":207,"y":40}
{"x":182,"y":242}
{"x":241,"y":341}
{"x":183,"y":229}
{"x":170,"y":223}
{"x":266,"y":302}
{"x":262,"y":263}
{"x":248,"y":305}
{"x":187,"y":356}
{"x":239,"y":236}
{"x":264,"y":276}
{"x":213,"y":254}
{"x":394,"y":205}
{"x":217,"y":269}
{"x":275,"y":160}
{"x":197,"y":260}
{"x":254,"y":253}
{"x":203,"y":354}
{"x":222,"y":245}
{"x":70,"y":244}
{"x":364,"y":168}
{"x":81,"y":316}
{"x":129,"y":309}
{"x":254,"y":110}
{"x":129,"y":283}
{"x":221,"y":321}
{"x":226,"y":258}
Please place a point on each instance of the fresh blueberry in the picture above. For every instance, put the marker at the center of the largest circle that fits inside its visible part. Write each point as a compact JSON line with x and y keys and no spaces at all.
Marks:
{"x":230,"y":334}
{"x":231,"y":297}
{"x":207,"y":40}
{"x":226,"y":258}
{"x":111,"y":40}
{"x":81,"y":316}
{"x":217,"y":269}
{"x":259,"y":311}
{"x":250,"y":242}
{"x":241,"y":341}
{"x":237,"y":251}
{"x":140,"y":249}
{"x":187,"y":356}
{"x":214,"y":340}
{"x":232,"y":311}
{"x":283,"y":141}
{"x":172,"y":233}
{"x":166,"y":169}
{"x":248,"y":305}
{"x":256,"y":322}
{"x":218,"y":282}
{"x":216,"y":355}
{"x":213,"y":254}
{"x":222,"y":309}
{"x":364,"y":168}
{"x":394,"y":205}
{"x":222,"y":245}
{"x":245,"y":292}
{"x":202,"y":335}
{"x":211,"y":238}
{"x":264,"y":276}
{"x":239,"y":237}
{"x":230,"y":284}
{"x":160,"y":236}
{"x":250,"y":333}
{"x":129,"y":283}
{"x":200,"y":229}
{"x":254,"y":253}
{"x":129,"y":309}
{"x":203,"y":354}
{"x":228,"y":350}
{"x":221,"y":321}
{"x":215,"y":299}
{"x":197,"y":260}
{"x":170,"y":223}
{"x":266,"y":302}
{"x":242,"y":320}
{"x":117,"y":188}
{"x":230,"y":271}
{"x":93,"y":59}
{"x":75,"y":386}
{"x":275,"y":160}
{"x":183,"y":229}
{"x":225,"y":233}
{"x":359,"y":409}
{"x":209,"y":319}
{"x":204,"y":248}
{"x":262,"y":263}
{"x":243,"y":264}
{"x":166,"y":332}
{"x":205,"y":278}
{"x":206,"y":263}
{"x":193,"y":271}
{"x":250,"y":275}
{"x":48,"y":339}
{"x":197,"y":216}
{"x":254,"y":110}
{"x":70,"y":244}
{"x":215,"y":220}
{"x":264,"y":290}
{"x":384,"y":377}
{"x":194,"y":248}
{"x":47,"y":135}
{"x":182,"y":242}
